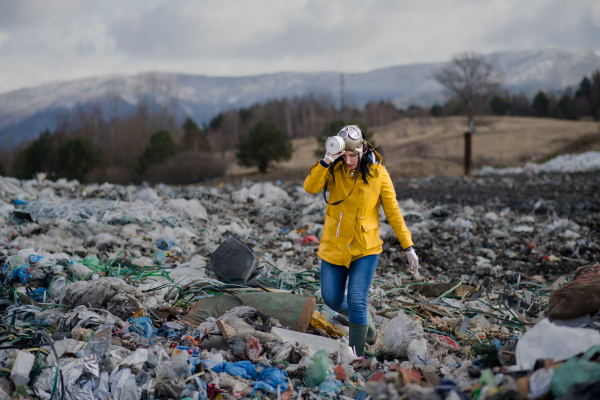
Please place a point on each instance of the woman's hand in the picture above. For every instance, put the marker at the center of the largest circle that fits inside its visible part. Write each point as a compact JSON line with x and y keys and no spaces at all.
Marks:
{"x":329,"y":158}
{"x":413,"y":260}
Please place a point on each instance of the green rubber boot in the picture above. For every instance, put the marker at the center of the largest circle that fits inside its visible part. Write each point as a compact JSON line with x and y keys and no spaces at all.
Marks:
{"x":372,"y":332}
{"x":358,"y":334}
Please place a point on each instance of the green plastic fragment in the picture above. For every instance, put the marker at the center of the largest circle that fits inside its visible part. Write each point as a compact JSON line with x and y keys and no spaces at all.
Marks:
{"x":92,"y":259}
{"x":317,"y":372}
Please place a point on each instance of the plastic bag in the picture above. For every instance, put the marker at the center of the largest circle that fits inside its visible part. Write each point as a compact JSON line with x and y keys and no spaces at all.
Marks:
{"x":102,"y":340}
{"x":268,"y":380}
{"x":576,"y":370}
{"x":22,"y":368}
{"x":15,"y":262}
{"x":540,"y":382}
{"x":548,"y":340}
{"x":92,"y":259}
{"x":317,"y":372}
{"x":399,"y":332}
{"x":57,"y":285}
{"x":237,"y":346}
{"x":243,"y":369}
{"x":21,"y":273}
{"x":253,"y":348}
{"x":419,"y":353}
{"x":143,"y":327}
{"x":330,"y":387}
{"x":80,"y":271}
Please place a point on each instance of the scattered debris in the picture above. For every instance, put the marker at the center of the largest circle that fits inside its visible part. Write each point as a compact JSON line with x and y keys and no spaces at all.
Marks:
{"x":191,"y":292}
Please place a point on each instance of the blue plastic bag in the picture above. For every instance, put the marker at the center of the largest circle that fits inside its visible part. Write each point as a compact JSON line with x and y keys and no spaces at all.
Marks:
{"x":38,"y":294}
{"x":21,"y":273}
{"x":268,"y":380}
{"x":216,"y":366}
{"x":330,"y":386}
{"x":143,"y":327}
{"x":243,"y":369}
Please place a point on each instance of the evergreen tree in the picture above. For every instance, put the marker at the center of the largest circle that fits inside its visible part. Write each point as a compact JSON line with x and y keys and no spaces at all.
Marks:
{"x":161,"y":147}
{"x":567,"y":106}
{"x":436,"y":110}
{"x":595,"y":95}
{"x":78,"y":157}
{"x":37,"y":157}
{"x":498,"y":105}
{"x":585,"y":88}
{"x":264,"y":144}
{"x":541,"y":104}
{"x":216,"y":122}
{"x":2,"y":171}
{"x":556,"y":112}
{"x":194,"y":138}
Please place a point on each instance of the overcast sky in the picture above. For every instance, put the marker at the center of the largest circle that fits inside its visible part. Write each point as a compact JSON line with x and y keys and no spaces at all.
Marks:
{"x":43,"y":41}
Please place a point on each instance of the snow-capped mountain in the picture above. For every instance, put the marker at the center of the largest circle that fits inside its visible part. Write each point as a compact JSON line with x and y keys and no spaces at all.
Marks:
{"x":25,"y":113}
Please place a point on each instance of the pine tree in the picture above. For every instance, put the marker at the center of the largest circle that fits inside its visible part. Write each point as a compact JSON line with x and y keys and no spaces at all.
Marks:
{"x":541,"y":104}
{"x":161,"y":147}
{"x":194,"y":138}
{"x":567,"y":106}
{"x":78,"y":157}
{"x":265,"y":143}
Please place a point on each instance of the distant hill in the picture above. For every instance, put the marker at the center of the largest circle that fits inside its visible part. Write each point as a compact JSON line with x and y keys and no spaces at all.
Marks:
{"x":25,"y":113}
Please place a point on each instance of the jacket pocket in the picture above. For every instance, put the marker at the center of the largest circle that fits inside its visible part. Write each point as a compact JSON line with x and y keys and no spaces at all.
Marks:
{"x":370,"y":231}
{"x":330,"y":229}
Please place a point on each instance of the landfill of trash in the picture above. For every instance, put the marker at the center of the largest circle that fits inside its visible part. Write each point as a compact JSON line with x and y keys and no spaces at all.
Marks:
{"x":588,"y":161}
{"x":194,"y":292}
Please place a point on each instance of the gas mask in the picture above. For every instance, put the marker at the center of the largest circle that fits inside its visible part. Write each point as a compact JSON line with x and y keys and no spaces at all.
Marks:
{"x":348,"y":139}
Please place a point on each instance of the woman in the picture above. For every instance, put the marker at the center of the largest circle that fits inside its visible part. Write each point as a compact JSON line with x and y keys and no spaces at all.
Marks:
{"x":350,"y":243}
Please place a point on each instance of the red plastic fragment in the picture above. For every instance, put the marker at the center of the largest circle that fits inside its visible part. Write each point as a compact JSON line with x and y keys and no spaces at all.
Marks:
{"x":311,"y":239}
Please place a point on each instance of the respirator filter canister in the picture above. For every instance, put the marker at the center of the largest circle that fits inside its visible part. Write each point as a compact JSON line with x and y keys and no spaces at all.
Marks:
{"x":348,"y":139}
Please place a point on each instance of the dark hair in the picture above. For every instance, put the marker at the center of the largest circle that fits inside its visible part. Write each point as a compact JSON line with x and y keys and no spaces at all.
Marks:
{"x":365,"y":162}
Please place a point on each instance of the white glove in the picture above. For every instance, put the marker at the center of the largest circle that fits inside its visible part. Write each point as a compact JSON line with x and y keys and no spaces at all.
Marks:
{"x":413,"y":260}
{"x":329,"y":158}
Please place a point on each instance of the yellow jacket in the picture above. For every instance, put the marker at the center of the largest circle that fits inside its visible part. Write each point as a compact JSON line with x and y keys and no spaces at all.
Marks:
{"x":351,"y":229}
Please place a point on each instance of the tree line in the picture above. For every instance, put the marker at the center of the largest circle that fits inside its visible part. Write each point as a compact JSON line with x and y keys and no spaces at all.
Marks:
{"x":299,"y":117}
{"x":91,"y":144}
{"x":583,"y":103}
{"x":88,"y":144}
{"x":95,"y":144}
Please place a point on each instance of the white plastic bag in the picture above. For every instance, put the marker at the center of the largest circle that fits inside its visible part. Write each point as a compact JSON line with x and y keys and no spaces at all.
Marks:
{"x":399,"y":332}
{"x":548,"y":340}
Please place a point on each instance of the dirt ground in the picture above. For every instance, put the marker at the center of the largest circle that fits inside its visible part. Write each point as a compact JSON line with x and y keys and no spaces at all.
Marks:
{"x":435,"y":146}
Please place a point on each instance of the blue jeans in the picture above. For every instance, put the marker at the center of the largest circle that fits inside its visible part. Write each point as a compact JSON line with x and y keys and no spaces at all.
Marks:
{"x":359,"y":277}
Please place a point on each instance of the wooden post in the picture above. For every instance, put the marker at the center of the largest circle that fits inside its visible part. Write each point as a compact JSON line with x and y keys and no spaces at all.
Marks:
{"x":468,"y":154}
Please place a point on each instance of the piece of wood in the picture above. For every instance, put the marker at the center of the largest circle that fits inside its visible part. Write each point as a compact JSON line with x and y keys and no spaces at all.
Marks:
{"x":226,"y":330}
{"x":430,"y":374}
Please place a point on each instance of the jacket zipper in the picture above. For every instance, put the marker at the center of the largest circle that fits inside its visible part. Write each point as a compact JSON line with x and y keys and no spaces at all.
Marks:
{"x":337,"y":233}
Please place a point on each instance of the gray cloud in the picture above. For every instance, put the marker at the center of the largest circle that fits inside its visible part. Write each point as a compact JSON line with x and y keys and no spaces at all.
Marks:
{"x":43,"y":41}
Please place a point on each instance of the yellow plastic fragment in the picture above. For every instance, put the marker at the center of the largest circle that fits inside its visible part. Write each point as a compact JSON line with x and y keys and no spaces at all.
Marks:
{"x":318,"y":321}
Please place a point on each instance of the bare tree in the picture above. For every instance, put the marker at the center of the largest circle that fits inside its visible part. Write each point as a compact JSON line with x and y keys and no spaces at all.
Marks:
{"x":471,"y":79}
